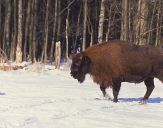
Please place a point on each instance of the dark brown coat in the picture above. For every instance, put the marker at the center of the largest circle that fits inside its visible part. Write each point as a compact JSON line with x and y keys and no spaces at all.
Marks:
{"x":118,"y":61}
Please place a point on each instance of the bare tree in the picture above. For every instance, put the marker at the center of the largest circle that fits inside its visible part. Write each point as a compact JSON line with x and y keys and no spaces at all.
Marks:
{"x":141,"y":22}
{"x":7,"y":29}
{"x":14,"y":33}
{"x":27,"y":26}
{"x":44,"y":53}
{"x":109,"y":22}
{"x":84,"y":25}
{"x":124,"y":20}
{"x":54,"y":30}
{"x":151,"y":23}
{"x":101,"y":21}
{"x":158,"y":23}
{"x":59,"y":21}
{"x":19,"y":42}
{"x":67,"y":25}
{"x":57,"y":54}
{"x":0,"y":22}
{"x":77,"y":28}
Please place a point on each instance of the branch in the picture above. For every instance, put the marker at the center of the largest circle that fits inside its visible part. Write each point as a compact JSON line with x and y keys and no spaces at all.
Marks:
{"x":67,"y":7}
{"x":151,"y":30}
{"x":146,"y":32}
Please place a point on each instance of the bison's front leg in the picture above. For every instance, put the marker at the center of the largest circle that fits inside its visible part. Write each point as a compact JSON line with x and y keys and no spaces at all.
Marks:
{"x":150,"y":86}
{"x":103,"y":89}
{"x":116,"y":88}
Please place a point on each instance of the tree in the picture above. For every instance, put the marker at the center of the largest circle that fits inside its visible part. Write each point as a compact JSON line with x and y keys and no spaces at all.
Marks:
{"x":54,"y":30}
{"x":141,"y":22}
{"x":84,"y":25}
{"x":14,"y":32}
{"x":19,"y":41}
{"x":158,"y":23}
{"x":27,"y":28}
{"x":124,"y":20}
{"x":101,"y":21}
{"x":57,"y":54}
{"x":7,"y":28}
{"x":44,"y":53}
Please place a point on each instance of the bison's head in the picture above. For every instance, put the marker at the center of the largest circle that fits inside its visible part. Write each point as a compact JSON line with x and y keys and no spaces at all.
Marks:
{"x":80,"y":66}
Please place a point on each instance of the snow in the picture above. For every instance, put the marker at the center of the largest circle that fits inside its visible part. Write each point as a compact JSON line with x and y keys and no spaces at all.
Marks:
{"x":51,"y":98}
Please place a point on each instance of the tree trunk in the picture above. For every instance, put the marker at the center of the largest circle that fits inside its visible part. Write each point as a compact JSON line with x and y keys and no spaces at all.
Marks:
{"x":110,"y":20}
{"x":54,"y":31}
{"x":7,"y":29}
{"x":34,"y":31}
{"x":14,"y":33}
{"x":77,"y":30}
{"x":67,"y":23}
{"x":151,"y":23}
{"x":90,"y":30}
{"x":57,"y":54}
{"x":124,"y":20}
{"x":30,"y":56}
{"x":84,"y":25}
{"x":19,"y":43}
{"x":141,"y":23}
{"x":44,"y":53}
{"x":27,"y":25}
{"x":1,"y":28}
{"x":59,"y":21}
{"x":101,"y":21}
{"x":158,"y":30}
{"x":0,"y":22}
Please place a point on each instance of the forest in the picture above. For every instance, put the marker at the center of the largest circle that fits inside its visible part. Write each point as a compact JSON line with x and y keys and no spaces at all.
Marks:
{"x":29,"y":29}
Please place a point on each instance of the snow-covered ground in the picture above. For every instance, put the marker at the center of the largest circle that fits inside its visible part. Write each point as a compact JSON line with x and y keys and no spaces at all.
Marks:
{"x":53,"y":99}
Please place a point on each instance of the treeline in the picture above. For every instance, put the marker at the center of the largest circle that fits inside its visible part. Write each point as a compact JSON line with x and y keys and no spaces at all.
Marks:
{"x":29,"y":29}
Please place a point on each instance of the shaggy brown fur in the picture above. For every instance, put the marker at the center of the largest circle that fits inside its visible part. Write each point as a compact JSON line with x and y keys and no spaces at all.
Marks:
{"x":114,"y":62}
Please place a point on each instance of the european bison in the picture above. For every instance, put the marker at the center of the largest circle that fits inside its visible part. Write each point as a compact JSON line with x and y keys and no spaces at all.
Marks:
{"x":113,"y":62}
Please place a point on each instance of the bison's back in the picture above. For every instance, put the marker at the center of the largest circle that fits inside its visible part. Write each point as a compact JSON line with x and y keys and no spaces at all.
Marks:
{"x":123,"y":60}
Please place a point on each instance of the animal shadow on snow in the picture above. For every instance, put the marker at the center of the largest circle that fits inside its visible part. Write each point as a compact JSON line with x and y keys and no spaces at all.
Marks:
{"x":2,"y":93}
{"x":150,"y":100}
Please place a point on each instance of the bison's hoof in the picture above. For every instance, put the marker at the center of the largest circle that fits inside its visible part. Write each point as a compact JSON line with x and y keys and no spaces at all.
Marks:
{"x":115,"y":100}
{"x":143,"y":102}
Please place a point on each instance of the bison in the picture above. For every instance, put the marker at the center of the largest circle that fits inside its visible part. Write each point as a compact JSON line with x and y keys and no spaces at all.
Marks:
{"x":114,"y":62}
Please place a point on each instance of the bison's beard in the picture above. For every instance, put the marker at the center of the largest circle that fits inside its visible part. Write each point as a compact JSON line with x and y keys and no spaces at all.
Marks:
{"x":79,"y":76}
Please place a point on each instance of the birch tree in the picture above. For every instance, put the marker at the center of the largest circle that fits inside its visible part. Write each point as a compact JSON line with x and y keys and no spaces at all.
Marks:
{"x":84,"y":25}
{"x":101,"y":21}
{"x":19,"y":41}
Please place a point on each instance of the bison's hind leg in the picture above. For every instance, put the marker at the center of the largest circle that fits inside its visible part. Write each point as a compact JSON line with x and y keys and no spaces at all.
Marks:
{"x":149,"y":82}
{"x":106,"y":96}
{"x":116,"y":87}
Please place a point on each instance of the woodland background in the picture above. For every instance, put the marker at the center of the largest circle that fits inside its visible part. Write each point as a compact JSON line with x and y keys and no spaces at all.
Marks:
{"x":29,"y":29}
